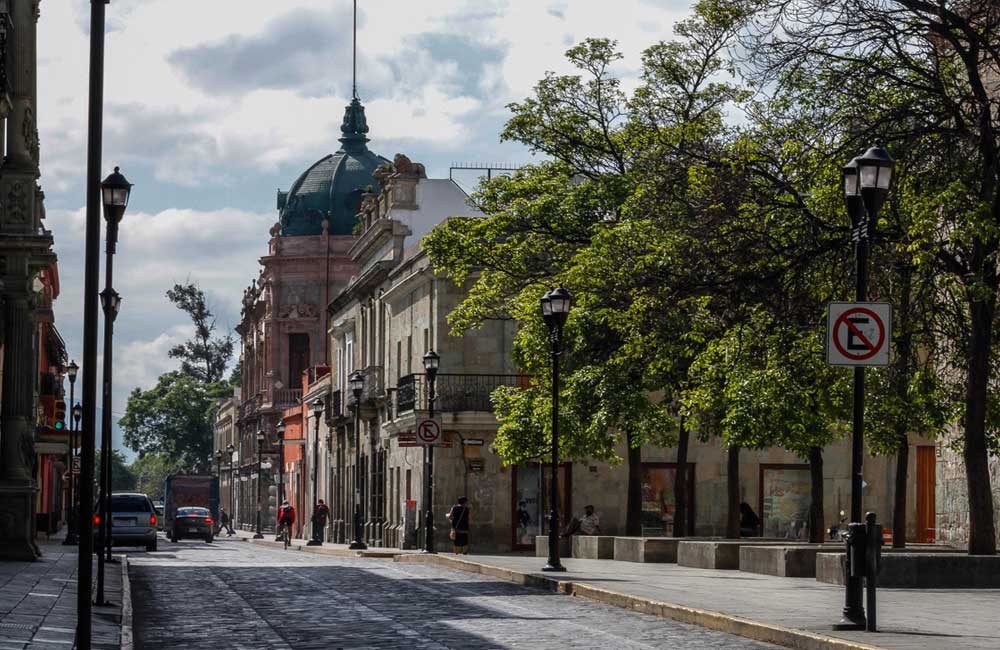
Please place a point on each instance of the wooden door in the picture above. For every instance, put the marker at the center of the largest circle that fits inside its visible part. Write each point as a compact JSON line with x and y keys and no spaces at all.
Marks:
{"x":926,"y":506}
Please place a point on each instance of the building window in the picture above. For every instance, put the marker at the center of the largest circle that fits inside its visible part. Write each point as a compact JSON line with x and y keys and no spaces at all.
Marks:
{"x":298,"y":358}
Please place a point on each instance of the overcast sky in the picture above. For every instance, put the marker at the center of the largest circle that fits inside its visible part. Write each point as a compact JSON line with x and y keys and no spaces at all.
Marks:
{"x":212,"y":105}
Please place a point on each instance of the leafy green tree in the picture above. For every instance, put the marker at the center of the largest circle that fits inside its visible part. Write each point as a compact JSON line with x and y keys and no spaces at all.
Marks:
{"x":205,"y":356}
{"x":174,"y":419}
{"x":151,"y":470}
{"x":122,"y":478}
{"x":922,"y":80}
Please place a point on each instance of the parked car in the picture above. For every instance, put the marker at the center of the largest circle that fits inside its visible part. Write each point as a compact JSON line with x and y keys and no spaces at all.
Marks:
{"x":133,"y":520}
{"x":192,"y":522}
{"x":159,"y":515}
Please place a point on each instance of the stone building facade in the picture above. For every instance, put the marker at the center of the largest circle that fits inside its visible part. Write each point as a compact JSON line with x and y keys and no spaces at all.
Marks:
{"x":225,"y":441}
{"x":25,"y":255}
{"x":283,"y":321}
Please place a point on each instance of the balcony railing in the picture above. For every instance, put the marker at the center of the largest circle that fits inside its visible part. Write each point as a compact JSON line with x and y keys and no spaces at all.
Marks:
{"x":374,"y":384}
{"x":454,"y":392}
{"x":335,"y":407}
{"x":287,"y":397}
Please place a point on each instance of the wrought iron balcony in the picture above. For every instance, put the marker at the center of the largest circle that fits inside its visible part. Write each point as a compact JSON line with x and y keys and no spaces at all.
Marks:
{"x":374,"y":384}
{"x":454,"y":392}
{"x":284,"y":398}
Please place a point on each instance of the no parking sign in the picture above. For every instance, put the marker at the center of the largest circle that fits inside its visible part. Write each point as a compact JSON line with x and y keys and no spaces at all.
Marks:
{"x":858,"y":333}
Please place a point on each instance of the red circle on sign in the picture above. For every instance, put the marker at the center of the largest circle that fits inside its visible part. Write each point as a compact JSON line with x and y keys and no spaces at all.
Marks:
{"x":428,"y":431}
{"x":842,"y":320}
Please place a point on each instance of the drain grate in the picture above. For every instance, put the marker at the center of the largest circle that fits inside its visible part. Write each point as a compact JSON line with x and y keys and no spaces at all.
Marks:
{"x":16,"y":626}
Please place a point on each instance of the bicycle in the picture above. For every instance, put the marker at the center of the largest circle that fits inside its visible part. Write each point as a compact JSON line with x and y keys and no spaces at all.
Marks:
{"x":285,"y":534}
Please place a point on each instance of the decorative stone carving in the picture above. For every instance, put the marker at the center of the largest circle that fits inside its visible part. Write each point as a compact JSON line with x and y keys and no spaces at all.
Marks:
{"x":30,"y":133}
{"x":299,"y":300}
{"x":15,"y":205}
{"x":404,"y":166}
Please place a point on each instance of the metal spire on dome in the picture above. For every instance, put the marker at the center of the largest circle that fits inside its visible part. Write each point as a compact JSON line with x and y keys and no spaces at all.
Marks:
{"x":355,"y":125}
{"x":354,"y":56}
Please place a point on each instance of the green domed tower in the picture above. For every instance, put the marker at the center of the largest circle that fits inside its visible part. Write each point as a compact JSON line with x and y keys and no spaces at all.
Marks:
{"x":332,"y":186}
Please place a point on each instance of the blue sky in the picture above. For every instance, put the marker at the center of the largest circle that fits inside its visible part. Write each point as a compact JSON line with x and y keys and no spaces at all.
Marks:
{"x":211,"y":106}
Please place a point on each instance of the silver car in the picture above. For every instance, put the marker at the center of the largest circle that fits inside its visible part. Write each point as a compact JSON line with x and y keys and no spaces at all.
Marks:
{"x":133,"y":520}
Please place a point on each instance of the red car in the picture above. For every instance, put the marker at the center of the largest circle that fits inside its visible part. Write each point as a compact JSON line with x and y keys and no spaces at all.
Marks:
{"x":193,"y":522}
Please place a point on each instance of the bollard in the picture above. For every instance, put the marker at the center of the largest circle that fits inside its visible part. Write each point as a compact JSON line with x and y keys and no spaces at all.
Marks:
{"x":854,"y":570}
{"x":873,"y":561}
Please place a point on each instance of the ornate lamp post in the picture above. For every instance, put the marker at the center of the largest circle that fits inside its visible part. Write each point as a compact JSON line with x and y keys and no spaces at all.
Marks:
{"x":260,"y":445}
{"x":280,"y":432}
{"x":232,"y":484}
{"x":431,"y":362}
{"x":318,"y":405}
{"x":71,"y":539}
{"x":555,"y":310}
{"x":866,"y":185}
{"x":357,"y":382}
{"x":115,"y":192}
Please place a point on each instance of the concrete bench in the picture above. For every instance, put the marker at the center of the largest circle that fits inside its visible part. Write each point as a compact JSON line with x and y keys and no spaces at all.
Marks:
{"x":716,"y":554}
{"x":784,"y":561}
{"x":945,"y":569}
{"x":542,"y":546}
{"x":647,"y":549}
{"x":593,"y":547}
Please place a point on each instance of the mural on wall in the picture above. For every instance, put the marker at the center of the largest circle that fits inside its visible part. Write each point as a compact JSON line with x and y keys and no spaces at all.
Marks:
{"x":785,"y":502}
{"x":658,"y":501}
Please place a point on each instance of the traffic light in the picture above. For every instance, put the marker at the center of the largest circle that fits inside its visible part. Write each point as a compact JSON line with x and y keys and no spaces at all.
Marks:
{"x":60,"y":416}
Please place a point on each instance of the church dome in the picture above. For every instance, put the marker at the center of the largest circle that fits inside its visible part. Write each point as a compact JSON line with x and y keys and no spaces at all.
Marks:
{"x":332,"y":187}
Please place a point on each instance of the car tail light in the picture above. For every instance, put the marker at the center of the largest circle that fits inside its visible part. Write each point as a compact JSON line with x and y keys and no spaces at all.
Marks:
{"x":208,"y":520}
{"x":152,"y":520}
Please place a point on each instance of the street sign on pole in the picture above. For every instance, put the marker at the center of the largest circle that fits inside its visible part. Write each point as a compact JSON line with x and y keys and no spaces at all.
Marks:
{"x":858,"y":333}
{"x":429,"y":432}
{"x":76,"y":465}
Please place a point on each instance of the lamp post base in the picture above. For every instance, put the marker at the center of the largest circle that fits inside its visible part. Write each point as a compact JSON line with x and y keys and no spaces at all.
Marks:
{"x":71,"y":540}
{"x":553,"y":566}
{"x":358,"y":546}
{"x":314,"y":542}
{"x":258,"y":536}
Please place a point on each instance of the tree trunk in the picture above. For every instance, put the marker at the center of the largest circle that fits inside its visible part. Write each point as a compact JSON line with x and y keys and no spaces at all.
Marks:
{"x":817,"y":521}
{"x":733,"y":492}
{"x":899,"y":498}
{"x":633,"y":509}
{"x":681,"y":483}
{"x":904,"y":363}
{"x":982,"y":534}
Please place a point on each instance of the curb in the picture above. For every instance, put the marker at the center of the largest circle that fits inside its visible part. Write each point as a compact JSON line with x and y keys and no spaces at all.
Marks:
{"x":325,"y":550}
{"x":788,"y":637}
{"x":127,"y":640}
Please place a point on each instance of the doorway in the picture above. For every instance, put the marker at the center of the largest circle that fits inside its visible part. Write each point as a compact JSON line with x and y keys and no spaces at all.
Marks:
{"x":530,"y":498}
{"x":926,"y":504}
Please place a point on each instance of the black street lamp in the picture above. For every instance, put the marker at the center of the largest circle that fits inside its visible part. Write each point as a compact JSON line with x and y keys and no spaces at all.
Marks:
{"x":431,"y":362}
{"x":866,"y":181}
{"x":232,"y":484}
{"x":260,"y":445}
{"x":280,"y":432}
{"x":555,"y":310}
{"x":115,"y":192}
{"x":71,"y":539}
{"x":357,"y":382}
{"x":318,"y":405}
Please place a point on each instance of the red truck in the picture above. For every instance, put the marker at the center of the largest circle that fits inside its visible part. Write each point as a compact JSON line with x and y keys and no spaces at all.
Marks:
{"x":198,"y":490}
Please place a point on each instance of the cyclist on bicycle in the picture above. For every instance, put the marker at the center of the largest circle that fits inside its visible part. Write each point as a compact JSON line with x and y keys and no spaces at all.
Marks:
{"x":286,"y":517}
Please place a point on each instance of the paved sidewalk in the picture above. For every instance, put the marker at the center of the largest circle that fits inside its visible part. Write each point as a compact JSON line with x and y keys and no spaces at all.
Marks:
{"x":738,"y":602}
{"x":38,"y":602}
{"x":328,"y":548}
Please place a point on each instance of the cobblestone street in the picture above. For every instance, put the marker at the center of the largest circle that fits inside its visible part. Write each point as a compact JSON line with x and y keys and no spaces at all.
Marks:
{"x":232,"y":594}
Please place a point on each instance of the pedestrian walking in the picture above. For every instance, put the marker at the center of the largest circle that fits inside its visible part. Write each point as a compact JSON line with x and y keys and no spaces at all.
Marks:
{"x":459,"y":535}
{"x":320,"y":516}
{"x":226,"y":522}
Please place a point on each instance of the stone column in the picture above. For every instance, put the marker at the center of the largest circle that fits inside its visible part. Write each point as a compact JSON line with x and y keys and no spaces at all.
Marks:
{"x":17,"y":449}
{"x":22,"y":129}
